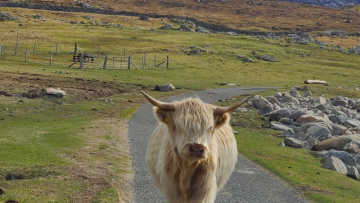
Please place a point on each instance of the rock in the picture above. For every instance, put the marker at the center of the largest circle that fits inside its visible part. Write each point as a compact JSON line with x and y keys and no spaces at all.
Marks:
{"x":337,"y":119}
{"x":254,"y":52}
{"x":352,"y":123}
{"x":309,"y":143}
{"x":202,"y":30}
{"x":276,"y":115}
{"x":268,"y":58}
{"x":339,"y":101}
{"x":289,"y":141}
{"x":290,"y":99}
{"x":265,"y":110}
{"x":166,"y":27}
{"x":312,"y":119}
{"x":278,"y":126}
{"x":241,"y":110}
{"x":38,"y":16}
{"x":11,"y":201}
{"x":278,"y":95}
{"x":55,"y":92}
{"x":235,"y":132}
{"x":338,"y":129}
{"x":185,"y":28}
{"x":281,"y":144}
{"x":352,"y":172}
{"x":260,"y":102}
{"x":247,"y":60}
{"x":287,"y":133}
{"x":272,"y":100}
{"x":144,"y":17}
{"x":231,"y":84}
{"x":352,"y":148}
{"x":294,"y":93}
{"x":87,"y":17}
{"x":335,"y":164}
{"x":83,"y":4}
{"x":296,"y":114}
{"x":2,"y":191}
{"x":342,"y":155}
{"x":357,"y":161}
{"x":308,"y":94}
{"x":319,"y":100}
{"x":286,"y":121}
{"x":336,"y":143}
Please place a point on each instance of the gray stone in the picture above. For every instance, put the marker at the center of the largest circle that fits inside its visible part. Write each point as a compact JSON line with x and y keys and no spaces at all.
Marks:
{"x":166,"y":88}
{"x":289,"y":141}
{"x":278,"y":114}
{"x":294,"y":93}
{"x":281,"y":144}
{"x":319,"y":129}
{"x":260,"y":102}
{"x":352,"y":148}
{"x":286,"y":121}
{"x":287,"y":133}
{"x":268,"y":58}
{"x":308,"y":94}
{"x":290,"y":99}
{"x":272,"y":100}
{"x":342,"y":155}
{"x":166,"y":27}
{"x":357,"y":161}
{"x":338,"y":129}
{"x":339,"y":101}
{"x":352,"y":123}
{"x":319,"y":100}
{"x":335,"y":164}
{"x":352,"y":172}
{"x":278,"y":126}
{"x":278,"y":95}
{"x":202,"y":30}
{"x":309,"y":143}
{"x":247,"y":60}
{"x":38,"y":16}
{"x":338,"y":119}
{"x":241,"y":110}
{"x":296,"y":114}
{"x":265,"y":110}
{"x":301,"y":136}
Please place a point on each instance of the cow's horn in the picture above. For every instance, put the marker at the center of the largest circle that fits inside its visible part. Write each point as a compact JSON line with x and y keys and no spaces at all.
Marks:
{"x":161,"y":105}
{"x":230,"y":108}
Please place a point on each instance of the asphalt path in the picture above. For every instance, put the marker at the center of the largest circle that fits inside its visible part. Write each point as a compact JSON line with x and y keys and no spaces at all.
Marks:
{"x":248,"y":184}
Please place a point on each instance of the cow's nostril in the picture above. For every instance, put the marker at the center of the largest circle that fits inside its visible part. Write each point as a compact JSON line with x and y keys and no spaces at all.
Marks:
{"x":196,"y":150}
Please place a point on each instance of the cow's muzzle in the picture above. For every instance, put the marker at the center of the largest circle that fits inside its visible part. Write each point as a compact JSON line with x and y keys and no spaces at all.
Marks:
{"x":196,"y":150}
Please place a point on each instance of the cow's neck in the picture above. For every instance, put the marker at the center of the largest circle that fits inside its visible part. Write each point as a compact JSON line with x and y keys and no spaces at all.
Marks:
{"x":189,"y":174}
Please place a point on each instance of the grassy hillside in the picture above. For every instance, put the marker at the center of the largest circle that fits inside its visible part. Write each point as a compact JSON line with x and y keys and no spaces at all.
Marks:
{"x":69,"y":149}
{"x":260,"y":15}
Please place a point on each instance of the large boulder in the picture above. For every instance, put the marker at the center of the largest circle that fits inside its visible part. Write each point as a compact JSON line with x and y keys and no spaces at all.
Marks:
{"x":345,"y":157}
{"x":278,"y":114}
{"x":339,"y":101}
{"x":260,"y":102}
{"x":335,"y":164}
{"x":336,"y":143}
{"x":312,"y":119}
{"x":290,"y":99}
{"x":352,"y":123}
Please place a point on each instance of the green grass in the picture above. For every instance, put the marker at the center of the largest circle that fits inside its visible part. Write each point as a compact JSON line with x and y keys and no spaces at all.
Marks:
{"x":39,"y":137}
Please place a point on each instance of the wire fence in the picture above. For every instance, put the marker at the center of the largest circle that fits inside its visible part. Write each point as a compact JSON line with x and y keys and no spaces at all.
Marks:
{"x":83,"y":58}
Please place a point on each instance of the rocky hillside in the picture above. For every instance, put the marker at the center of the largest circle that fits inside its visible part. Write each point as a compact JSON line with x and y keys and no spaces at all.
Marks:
{"x":252,"y":15}
{"x":328,"y":3}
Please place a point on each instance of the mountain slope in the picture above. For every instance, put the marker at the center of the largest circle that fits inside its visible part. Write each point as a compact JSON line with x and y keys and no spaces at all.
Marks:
{"x":328,"y":3}
{"x":259,"y":15}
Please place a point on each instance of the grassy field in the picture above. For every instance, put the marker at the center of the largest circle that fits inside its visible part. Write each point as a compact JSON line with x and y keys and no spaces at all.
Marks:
{"x":51,"y":147}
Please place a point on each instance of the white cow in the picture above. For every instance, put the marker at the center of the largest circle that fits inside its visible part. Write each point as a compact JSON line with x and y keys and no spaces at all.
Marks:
{"x":192,"y":152}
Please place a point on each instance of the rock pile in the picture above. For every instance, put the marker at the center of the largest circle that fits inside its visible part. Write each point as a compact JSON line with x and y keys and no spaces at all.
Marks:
{"x":317,"y":124}
{"x":7,"y":16}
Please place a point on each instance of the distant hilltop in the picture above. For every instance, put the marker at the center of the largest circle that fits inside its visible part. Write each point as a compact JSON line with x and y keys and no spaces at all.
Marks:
{"x":327,"y":3}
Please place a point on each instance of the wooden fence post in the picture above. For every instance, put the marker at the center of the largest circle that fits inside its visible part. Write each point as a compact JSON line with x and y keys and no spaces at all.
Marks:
{"x":106,"y":56}
{"x":143,"y":61}
{"x":129,"y":62}
{"x":34,"y":48}
{"x":81,"y":61}
{"x":99,"y":52}
{"x":75,"y":49}
{"x":124,"y":52}
{"x":26,"y":53}
{"x":167,"y":62}
{"x":56,"y":50}
{"x":17,"y":41}
{"x":145,"y":58}
{"x":50,"y":58}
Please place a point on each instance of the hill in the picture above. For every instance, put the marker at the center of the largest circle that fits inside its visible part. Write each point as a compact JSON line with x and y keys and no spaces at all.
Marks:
{"x":328,"y":3}
{"x":251,"y":15}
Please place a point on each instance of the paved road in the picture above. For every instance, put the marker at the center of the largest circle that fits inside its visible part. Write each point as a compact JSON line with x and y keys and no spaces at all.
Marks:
{"x":248,"y":183}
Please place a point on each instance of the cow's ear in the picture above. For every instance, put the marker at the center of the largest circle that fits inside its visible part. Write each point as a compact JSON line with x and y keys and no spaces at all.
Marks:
{"x":221,"y":119}
{"x":162,"y":115}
